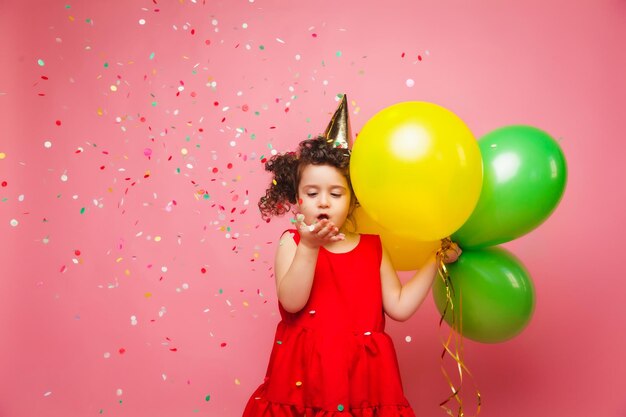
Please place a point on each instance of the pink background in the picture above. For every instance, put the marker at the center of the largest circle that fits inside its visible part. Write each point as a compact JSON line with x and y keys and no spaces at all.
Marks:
{"x":136,"y":273}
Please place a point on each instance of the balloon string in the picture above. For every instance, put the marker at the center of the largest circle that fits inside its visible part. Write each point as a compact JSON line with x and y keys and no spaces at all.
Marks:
{"x":453,"y":345}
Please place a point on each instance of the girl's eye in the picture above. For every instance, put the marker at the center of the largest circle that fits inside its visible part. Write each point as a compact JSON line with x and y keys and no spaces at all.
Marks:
{"x":335,"y":195}
{"x":311,"y":194}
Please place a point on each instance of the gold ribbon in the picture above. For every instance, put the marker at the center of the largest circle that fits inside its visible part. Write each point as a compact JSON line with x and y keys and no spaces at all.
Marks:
{"x":453,"y":346}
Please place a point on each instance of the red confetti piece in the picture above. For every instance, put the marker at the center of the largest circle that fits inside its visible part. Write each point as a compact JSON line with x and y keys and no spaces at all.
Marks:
{"x":223,"y":344}
{"x":58,"y":123}
{"x":122,"y":351}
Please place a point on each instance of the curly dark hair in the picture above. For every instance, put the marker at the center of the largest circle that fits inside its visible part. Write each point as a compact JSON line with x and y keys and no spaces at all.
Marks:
{"x":282,"y":194}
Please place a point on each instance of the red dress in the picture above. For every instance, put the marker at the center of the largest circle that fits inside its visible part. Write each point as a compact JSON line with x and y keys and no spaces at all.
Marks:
{"x":332,"y":358}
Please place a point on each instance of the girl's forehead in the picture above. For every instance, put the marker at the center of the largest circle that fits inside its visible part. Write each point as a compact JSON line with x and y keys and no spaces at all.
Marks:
{"x":322,"y":175}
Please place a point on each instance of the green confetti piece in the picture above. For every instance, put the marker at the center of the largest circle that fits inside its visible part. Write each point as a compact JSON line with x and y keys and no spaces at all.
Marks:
{"x":40,"y":62}
{"x":340,"y":407}
{"x":67,"y":6}
{"x":154,"y":104}
{"x":206,"y":196}
{"x":338,"y":54}
{"x":261,"y":47}
{"x":152,"y":55}
{"x":178,"y":170}
{"x":253,"y":136}
{"x":221,"y":291}
{"x":207,"y":398}
{"x":279,"y":342}
{"x":256,"y":113}
{"x":82,"y":210}
{"x":106,"y":65}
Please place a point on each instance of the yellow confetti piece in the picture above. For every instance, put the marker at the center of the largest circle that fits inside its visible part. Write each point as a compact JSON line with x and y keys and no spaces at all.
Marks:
{"x":100,"y":112}
{"x":148,"y":295}
{"x":157,"y":238}
{"x":274,"y":182}
{"x":237,"y":381}
{"x":3,"y":155}
{"x":127,"y":272}
{"x":245,"y":304}
{"x":118,"y":260}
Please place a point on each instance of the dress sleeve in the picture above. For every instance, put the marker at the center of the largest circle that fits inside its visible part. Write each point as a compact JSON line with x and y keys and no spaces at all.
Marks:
{"x":294,"y":232}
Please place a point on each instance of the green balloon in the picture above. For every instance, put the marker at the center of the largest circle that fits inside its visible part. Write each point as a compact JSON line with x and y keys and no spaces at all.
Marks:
{"x":523,"y":181}
{"x":493,"y":295}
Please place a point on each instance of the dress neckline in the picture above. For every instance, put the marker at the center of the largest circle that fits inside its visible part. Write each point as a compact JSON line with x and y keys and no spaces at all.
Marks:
{"x":348,"y":251}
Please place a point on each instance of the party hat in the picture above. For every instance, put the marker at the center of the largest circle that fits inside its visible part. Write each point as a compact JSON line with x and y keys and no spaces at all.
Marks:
{"x":338,"y":130}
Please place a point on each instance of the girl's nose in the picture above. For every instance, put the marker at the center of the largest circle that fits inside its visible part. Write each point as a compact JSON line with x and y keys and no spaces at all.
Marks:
{"x":323,"y":202}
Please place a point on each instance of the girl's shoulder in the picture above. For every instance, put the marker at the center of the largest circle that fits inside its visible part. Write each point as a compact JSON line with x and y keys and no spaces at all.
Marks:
{"x":291,"y":234}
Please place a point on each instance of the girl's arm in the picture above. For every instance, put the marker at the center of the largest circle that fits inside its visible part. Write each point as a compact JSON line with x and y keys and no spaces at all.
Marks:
{"x":295,"y":264}
{"x":401,"y":301}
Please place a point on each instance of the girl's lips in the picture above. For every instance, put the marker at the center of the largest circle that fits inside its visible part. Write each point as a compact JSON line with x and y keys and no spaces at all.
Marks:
{"x":322,"y":216}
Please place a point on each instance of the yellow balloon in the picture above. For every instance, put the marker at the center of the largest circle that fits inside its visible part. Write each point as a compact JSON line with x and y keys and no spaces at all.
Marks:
{"x":406,"y":254}
{"x":417,"y":171}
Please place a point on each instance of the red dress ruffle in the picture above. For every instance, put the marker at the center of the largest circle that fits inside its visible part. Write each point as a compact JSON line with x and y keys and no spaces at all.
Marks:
{"x":333,"y":358}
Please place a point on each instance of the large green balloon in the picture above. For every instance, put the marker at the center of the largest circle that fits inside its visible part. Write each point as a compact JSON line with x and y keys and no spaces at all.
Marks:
{"x":523,"y":181}
{"x":493,"y":293}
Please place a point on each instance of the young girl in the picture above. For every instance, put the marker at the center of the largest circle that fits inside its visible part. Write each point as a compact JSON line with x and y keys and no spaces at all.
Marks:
{"x":331,"y":356}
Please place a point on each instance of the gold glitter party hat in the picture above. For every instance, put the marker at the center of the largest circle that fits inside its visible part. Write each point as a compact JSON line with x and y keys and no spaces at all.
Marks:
{"x":338,"y":130}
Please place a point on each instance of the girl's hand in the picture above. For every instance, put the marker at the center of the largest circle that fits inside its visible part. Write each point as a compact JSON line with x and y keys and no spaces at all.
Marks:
{"x":319,"y":233}
{"x":452,"y":254}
